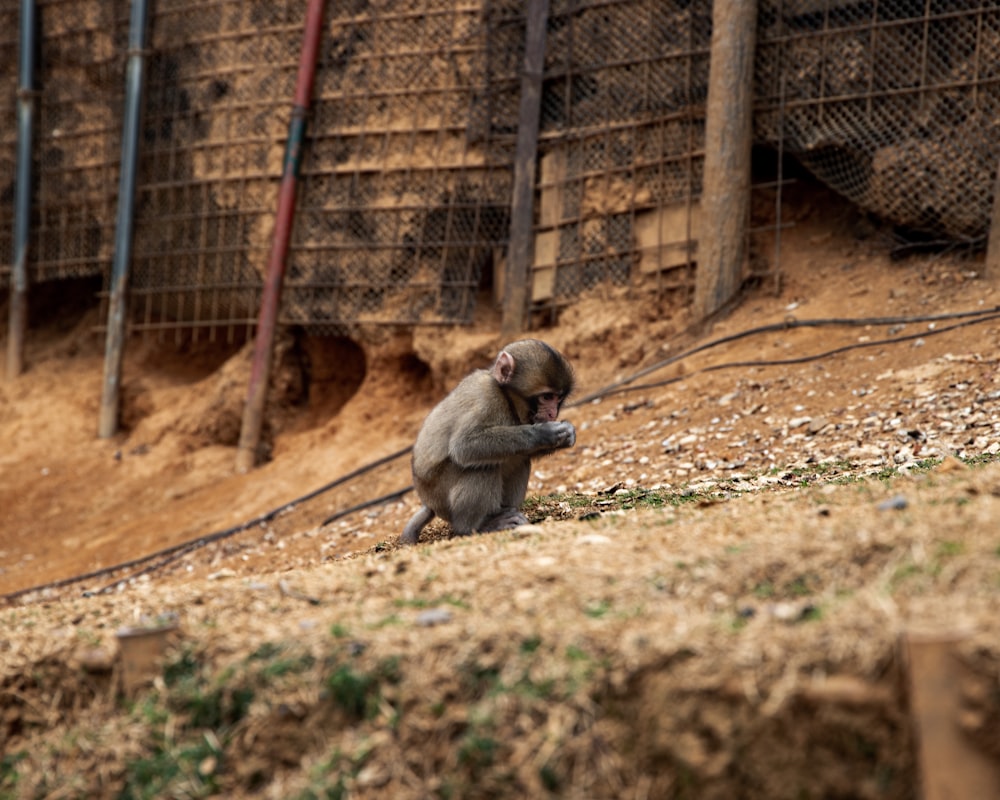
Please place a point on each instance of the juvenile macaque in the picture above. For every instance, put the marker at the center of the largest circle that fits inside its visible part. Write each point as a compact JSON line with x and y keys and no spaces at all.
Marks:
{"x":472,"y":457}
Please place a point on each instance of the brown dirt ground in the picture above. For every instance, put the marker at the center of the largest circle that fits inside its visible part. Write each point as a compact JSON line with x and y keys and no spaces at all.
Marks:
{"x":674,"y":651}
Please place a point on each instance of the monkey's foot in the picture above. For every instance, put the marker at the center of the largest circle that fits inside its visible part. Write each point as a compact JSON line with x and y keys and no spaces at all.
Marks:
{"x":506,"y":518}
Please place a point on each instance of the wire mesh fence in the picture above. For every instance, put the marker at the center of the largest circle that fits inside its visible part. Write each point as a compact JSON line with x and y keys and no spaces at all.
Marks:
{"x":621,"y":146}
{"x":892,"y":103}
{"x":220,"y":78}
{"x":404,"y":204}
{"x":406,"y":185}
{"x":77,"y":127}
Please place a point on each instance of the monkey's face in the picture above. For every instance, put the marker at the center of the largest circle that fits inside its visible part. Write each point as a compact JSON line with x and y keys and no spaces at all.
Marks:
{"x":546,"y":406}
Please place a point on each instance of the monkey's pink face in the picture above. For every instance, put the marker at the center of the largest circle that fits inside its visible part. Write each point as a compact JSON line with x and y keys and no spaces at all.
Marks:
{"x":548,"y":407}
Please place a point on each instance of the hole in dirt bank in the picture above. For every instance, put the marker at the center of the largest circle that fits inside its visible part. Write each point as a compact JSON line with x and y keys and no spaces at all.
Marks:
{"x":60,"y":306}
{"x":333,"y":369}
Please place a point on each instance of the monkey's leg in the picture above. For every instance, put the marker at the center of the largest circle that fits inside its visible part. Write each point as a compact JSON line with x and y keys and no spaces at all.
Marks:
{"x":515,"y":485}
{"x":416,"y":524}
{"x":475,"y":496}
{"x":507,"y":518}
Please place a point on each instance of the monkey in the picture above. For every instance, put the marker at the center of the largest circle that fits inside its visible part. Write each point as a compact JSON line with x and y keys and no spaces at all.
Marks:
{"x":472,"y":457}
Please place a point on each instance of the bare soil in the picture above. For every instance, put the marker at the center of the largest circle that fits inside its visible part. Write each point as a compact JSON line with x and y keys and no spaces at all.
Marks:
{"x":709,"y":603}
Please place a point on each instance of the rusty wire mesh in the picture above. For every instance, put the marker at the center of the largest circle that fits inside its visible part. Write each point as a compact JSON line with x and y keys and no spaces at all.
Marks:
{"x":77,"y":135}
{"x":403,"y":209}
{"x":894,"y":104}
{"x":406,"y":184}
{"x":622,"y":146}
{"x":221,"y":76}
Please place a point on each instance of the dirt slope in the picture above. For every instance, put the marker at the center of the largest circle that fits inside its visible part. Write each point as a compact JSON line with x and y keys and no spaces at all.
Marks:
{"x":723,"y":623}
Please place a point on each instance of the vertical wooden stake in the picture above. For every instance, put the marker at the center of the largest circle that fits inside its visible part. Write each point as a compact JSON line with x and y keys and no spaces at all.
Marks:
{"x":950,"y":765}
{"x":725,"y":201}
{"x":991,"y":268}
{"x":519,"y":251}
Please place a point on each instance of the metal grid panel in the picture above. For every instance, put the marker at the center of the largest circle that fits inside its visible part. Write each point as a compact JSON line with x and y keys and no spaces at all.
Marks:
{"x":621,"y":146}
{"x":77,"y":135}
{"x":894,"y":104}
{"x":221,"y":76}
{"x":406,"y":185}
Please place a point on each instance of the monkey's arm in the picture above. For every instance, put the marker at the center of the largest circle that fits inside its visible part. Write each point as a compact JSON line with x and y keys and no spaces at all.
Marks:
{"x":493,"y":445}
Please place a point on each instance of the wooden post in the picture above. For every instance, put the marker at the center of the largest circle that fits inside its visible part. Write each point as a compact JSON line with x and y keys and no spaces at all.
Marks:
{"x":991,"y":269}
{"x":519,"y":251}
{"x":725,"y":201}
{"x":951,"y":766}
{"x":18,"y":320}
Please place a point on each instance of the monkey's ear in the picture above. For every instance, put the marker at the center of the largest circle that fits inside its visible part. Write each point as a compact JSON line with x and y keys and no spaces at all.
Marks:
{"x":503,"y":367}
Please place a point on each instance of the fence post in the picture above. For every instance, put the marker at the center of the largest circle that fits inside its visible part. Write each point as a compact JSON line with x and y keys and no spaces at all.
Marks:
{"x":263,"y":350}
{"x":519,"y":250}
{"x":725,"y":200}
{"x":991,"y":267}
{"x":18,"y":321}
{"x":115,"y":341}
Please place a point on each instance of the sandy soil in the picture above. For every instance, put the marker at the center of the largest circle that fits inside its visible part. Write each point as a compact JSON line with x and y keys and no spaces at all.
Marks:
{"x":721,"y":512}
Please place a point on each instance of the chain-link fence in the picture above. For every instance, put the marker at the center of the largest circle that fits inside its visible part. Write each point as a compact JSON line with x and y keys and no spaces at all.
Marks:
{"x":895,"y":103}
{"x":403,"y":208}
{"x":621,"y":146}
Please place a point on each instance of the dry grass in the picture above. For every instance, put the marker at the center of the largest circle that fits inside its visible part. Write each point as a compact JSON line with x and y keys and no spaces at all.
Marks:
{"x":740,"y":646}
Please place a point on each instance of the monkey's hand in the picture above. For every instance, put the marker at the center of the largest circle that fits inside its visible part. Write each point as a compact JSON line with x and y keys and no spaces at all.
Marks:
{"x":555,"y":435}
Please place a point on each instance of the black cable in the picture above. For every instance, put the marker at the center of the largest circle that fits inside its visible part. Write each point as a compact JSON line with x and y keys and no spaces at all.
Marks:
{"x":168,"y":554}
{"x":787,"y":324}
{"x":619,"y":389}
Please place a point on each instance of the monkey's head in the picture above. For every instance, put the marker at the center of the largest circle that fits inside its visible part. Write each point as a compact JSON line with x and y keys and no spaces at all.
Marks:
{"x":535,"y":377}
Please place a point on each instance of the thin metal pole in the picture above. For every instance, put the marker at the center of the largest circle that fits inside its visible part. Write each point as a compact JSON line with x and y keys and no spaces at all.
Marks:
{"x":18,"y":321}
{"x":263,"y":352}
{"x":124,"y":222}
{"x":519,"y":250}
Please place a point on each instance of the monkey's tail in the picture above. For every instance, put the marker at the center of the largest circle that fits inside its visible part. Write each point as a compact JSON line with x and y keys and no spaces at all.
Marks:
{"x":416,"y":524}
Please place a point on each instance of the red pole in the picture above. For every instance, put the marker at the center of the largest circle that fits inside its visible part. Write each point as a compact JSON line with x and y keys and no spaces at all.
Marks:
{"x":260,"y":373}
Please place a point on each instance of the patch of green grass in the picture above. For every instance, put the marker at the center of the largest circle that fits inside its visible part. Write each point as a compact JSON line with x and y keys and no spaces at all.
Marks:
{"x":903,"y":573}
{"x":477,"y":752}
{"x":764,"y":590}
{"x":947,"y":549}
{"x":597,"y":609}
{"x":420,"y":602}
{"x":574,"y":653}
{"x":532,"y":643}
{"x":982,"y":459}
{"x":193,"y":765}
{"x":392,"y":619}
{"x":8,"y":770}
{"x":339,"y":631}
{"x":352,"y":691}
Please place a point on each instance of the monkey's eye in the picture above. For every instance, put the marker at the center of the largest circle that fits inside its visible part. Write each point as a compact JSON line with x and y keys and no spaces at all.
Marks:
{"x":549,"y":397}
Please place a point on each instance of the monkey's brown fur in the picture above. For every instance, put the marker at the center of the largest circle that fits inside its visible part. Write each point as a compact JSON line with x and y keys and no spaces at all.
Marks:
{"x":472,"y":457}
